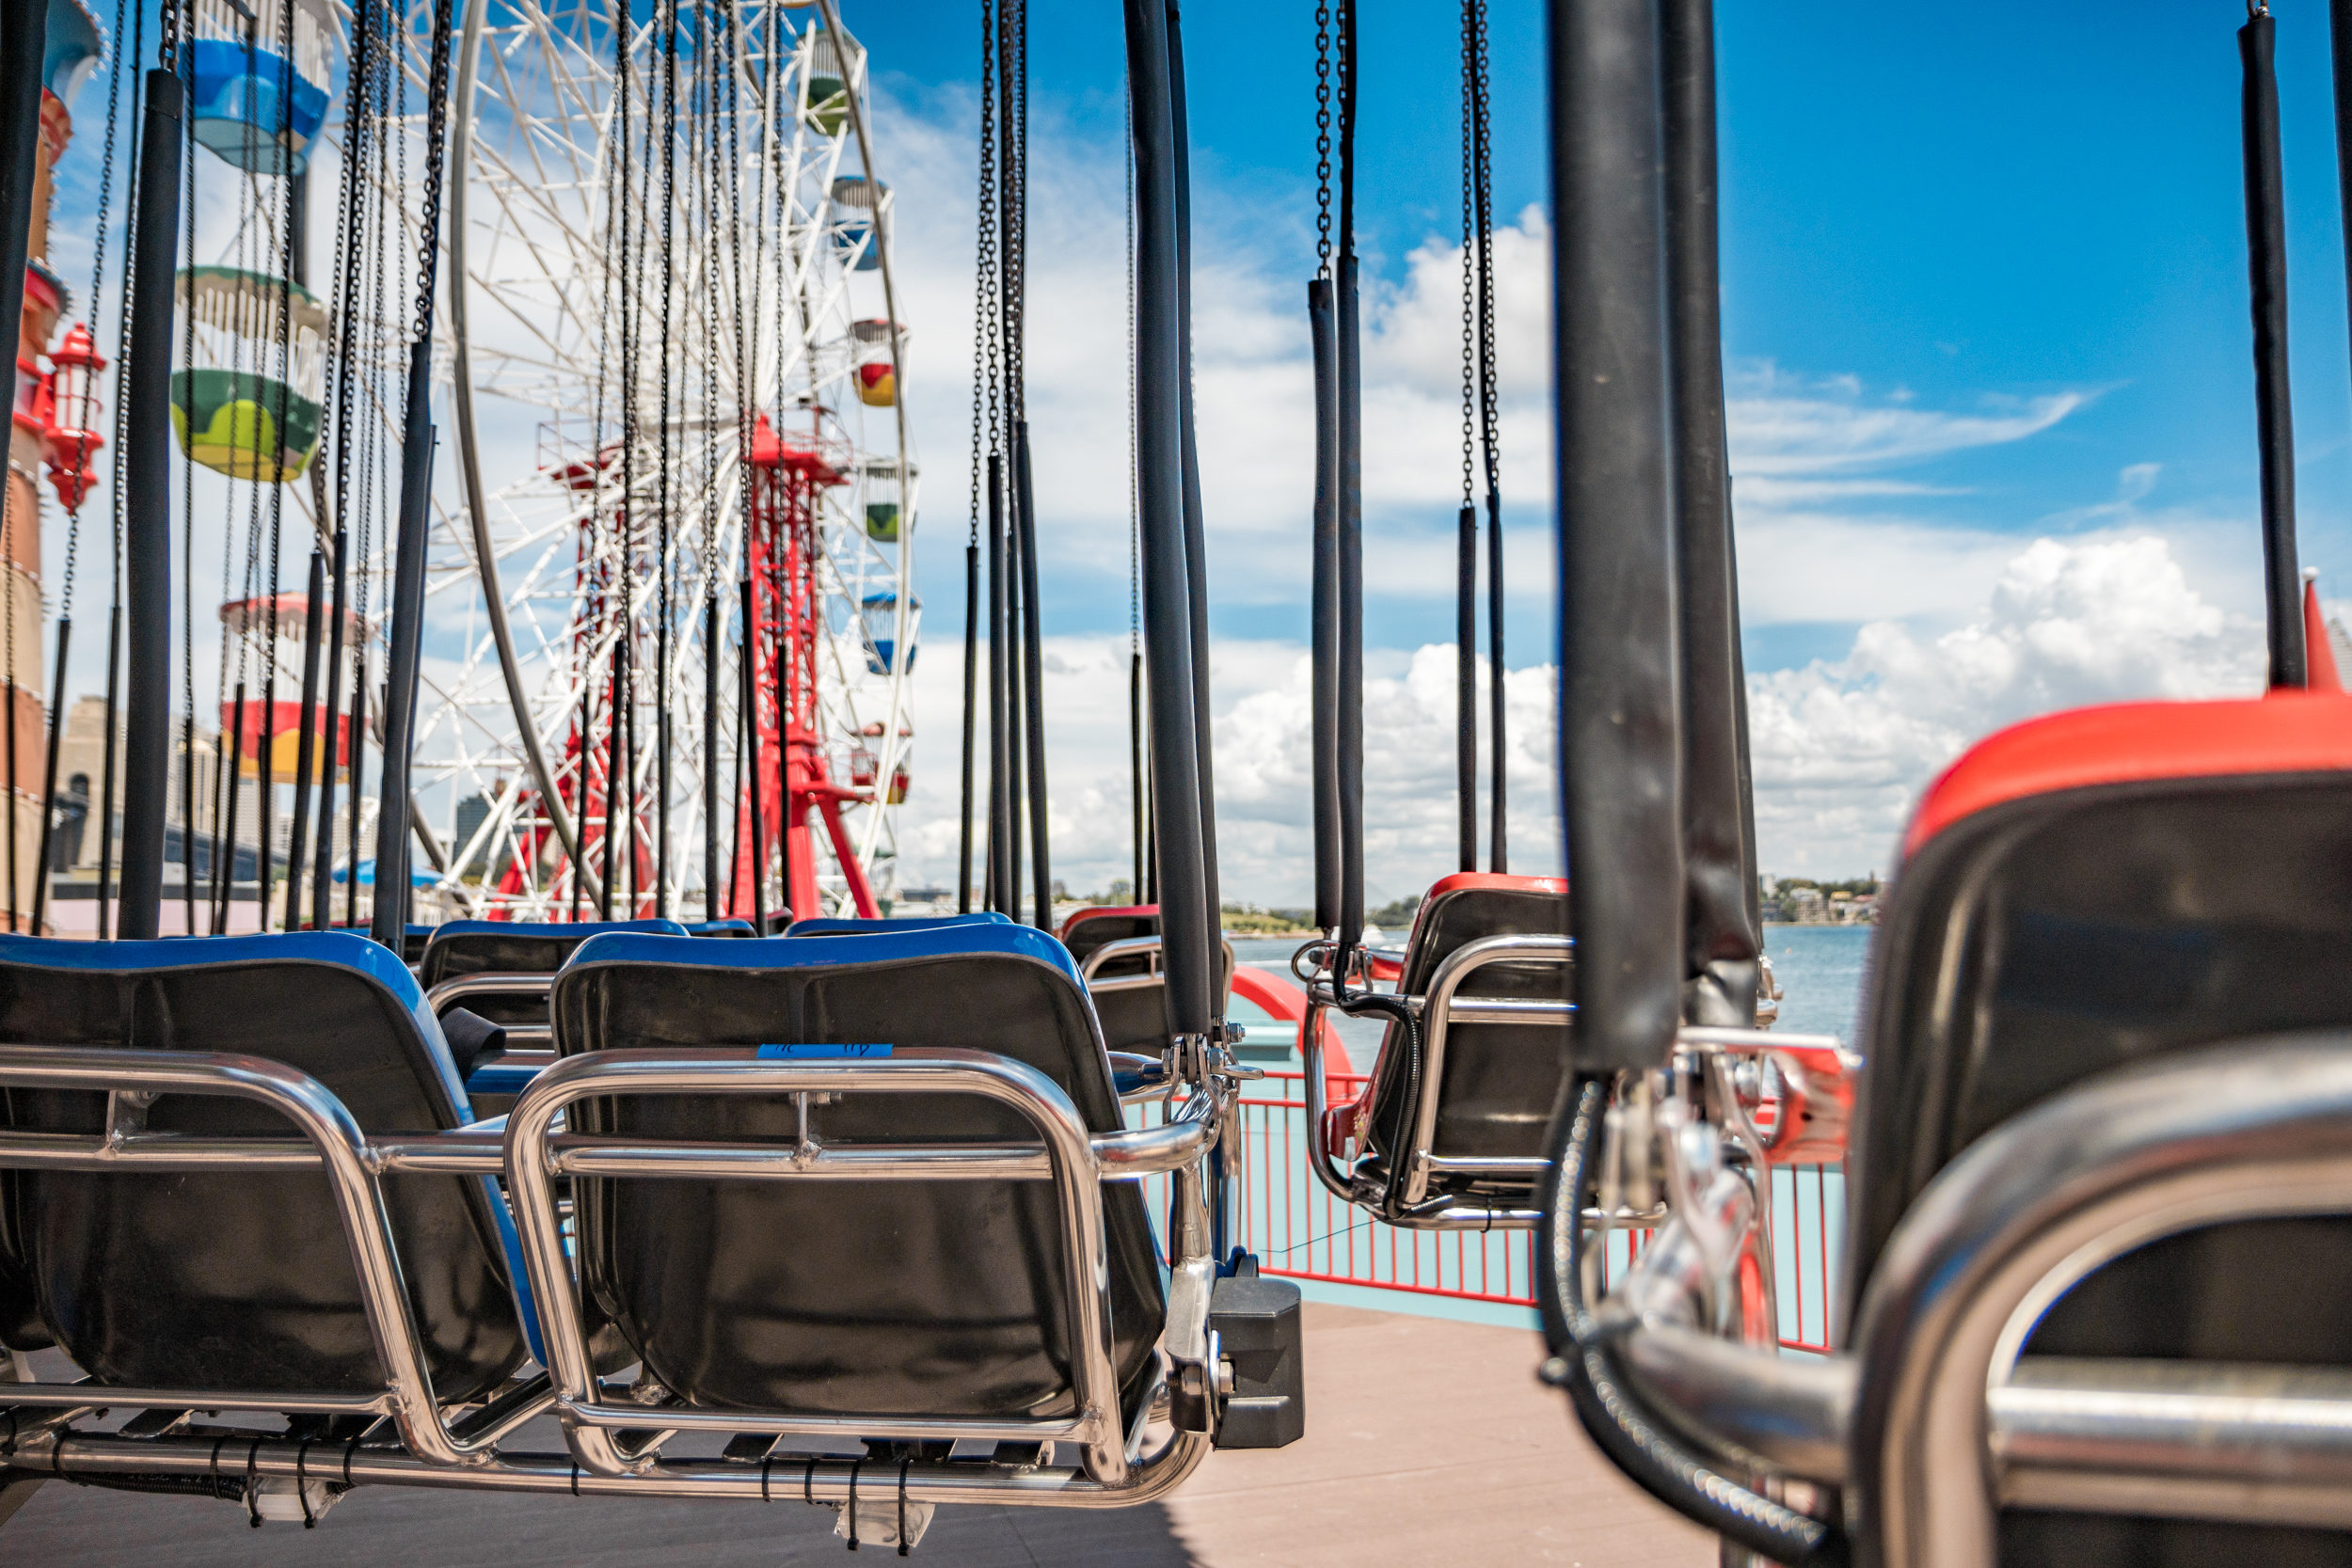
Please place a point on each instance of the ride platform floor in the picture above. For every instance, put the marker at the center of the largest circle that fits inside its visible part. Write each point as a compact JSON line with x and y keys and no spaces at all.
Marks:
{"x":1428,"y":1442}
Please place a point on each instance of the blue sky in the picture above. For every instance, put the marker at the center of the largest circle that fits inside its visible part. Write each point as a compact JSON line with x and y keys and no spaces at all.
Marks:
{"x":1962,"y":208}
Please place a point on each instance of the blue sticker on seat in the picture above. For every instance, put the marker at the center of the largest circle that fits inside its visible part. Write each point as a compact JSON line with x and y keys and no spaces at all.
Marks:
{"x":816,"y":1052}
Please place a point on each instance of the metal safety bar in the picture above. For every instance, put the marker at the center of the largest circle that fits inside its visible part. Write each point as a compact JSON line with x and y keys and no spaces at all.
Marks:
{"x":1936,"y":1419}
{"x":1126,"y":947}
{"x":131,"y":1079}
{"x":1075,"y":1159}
{"x":528,"y":1044}
{"x":1437,"y":1010}
{"x":457,"y":1446}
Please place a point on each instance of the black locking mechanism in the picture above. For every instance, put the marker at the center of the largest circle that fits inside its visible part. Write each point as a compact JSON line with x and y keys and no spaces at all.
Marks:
{"x":1259,"y":1351}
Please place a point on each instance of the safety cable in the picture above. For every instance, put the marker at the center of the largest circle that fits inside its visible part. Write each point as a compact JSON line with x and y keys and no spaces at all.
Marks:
{"x":1584,"y":1362}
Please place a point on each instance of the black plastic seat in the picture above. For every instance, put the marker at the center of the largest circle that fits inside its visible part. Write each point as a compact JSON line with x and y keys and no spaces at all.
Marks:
{"x":241,"y":1281}
{"x":1134,"y":1016}
{"x":1502,"y":1081}
{"x":883,"y":1298}
{"x":2101,"y":888}
{"x":463,"y":947}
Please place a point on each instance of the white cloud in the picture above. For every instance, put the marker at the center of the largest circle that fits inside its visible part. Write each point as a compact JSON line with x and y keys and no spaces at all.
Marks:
{"x":1842,"y":749}
{"x":1266,"y":829}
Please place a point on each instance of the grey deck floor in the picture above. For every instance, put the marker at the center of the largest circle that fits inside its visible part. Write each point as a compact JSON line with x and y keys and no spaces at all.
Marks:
{"x":1427,"y":1441}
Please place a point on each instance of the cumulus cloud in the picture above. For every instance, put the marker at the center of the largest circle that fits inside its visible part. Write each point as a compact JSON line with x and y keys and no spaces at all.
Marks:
{"x":1266,"y":827}
{"x":1842,"y":748}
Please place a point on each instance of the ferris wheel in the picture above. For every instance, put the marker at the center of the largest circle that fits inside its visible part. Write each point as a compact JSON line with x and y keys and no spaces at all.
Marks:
{"x":668,"y":392}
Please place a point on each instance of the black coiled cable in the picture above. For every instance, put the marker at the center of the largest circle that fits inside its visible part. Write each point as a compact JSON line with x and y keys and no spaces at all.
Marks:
{"x":1584,"y":1363}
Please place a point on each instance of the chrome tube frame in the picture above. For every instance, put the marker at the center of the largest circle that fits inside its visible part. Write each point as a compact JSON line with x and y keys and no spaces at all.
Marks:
{"x":1076,"y":1160}
{"x":1936,"y":1420}
{"x":528,"y":1044}
{"x":1440,"y":1008}
{"x":1126,"y":947}
{"x":455,"y":1446}
{"x":130,"y":1080}
{"x":2249,"y":1131}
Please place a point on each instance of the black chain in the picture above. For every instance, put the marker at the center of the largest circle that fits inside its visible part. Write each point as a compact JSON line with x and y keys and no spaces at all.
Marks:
{"x":1323,"y":141}
{"x":1482,"y":186}
{"x":1469,"y":242}
{"x":436,"y":146}
{"x":984,"y":311}
{"x":1343,"y":19}
{"x":1014,"y":59}
{"x":168,"y":36}
{"x":350,"y":246}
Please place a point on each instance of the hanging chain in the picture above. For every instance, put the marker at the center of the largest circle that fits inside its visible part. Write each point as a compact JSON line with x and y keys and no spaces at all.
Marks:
{"x":1469,"y":242}
{"x":1323,"y":141}
{"x":1013,"y":154}
{"x":1484,"y":186}
{"x":984,"y":320}
{"x":435,"y":146}
{"x":97,"y":296}
{"x":168,"y":36}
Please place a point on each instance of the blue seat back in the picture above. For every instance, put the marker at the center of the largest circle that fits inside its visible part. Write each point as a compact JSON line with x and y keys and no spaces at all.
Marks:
{"x":884,"y":1296}
{"x":225,"y":1281}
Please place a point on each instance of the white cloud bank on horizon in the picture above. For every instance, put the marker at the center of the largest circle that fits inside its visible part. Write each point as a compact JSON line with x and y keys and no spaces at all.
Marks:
{"x":1841,"y":748}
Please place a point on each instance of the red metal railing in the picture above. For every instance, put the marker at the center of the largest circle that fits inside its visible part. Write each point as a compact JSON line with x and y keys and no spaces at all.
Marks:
{"x":1300,"y":1230}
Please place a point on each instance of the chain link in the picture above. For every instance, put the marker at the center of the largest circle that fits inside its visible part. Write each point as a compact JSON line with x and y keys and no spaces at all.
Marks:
{"x":1483,"y":182}
{"x":435,"y":149}
{"x":1323,"y":141}
{"x":984,"y":273}
{"x":1469,"y":245}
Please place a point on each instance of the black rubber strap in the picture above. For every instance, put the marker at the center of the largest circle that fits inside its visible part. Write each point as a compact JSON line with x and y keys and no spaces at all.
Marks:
{"x":765,"y":1461}
{"x":902,"y":1503}
{"x":808,"y":1482}
{"x":252,"y":1486}
{"x":302,"y":1487}
{"x":854,"y":1469}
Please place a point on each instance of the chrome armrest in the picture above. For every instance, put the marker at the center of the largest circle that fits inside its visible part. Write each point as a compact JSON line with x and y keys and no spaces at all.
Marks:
{"x":1442,"y":1007}
{"x":452,"y":991}
{"x":328,"y":1141}
{"x":1076,"y":1161}
{"x":1126,"y":947}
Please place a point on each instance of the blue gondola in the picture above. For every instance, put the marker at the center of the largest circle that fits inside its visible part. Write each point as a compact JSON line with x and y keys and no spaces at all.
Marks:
{"x":254,"y":106}
{"x":878,"y":624}
{"x":856,"y":198}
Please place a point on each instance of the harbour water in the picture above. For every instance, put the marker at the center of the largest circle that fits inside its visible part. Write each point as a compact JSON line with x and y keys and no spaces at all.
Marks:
{"x":1819,"y":968}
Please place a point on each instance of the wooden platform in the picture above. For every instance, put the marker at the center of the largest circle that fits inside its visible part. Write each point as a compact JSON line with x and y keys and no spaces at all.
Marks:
{"x":1428,"y":1442}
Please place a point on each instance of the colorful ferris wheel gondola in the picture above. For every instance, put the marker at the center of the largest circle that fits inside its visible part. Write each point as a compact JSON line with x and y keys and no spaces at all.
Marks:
{"x":231,"y":410}
{"x":259,"y":80}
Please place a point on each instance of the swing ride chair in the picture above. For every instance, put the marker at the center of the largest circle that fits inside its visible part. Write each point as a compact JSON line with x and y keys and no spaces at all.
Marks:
{"x":1447,"y":1132}
{"x":498,"y":973}
{"x":354,"y":1274}
{"x":1120,"y":959}
{"x":2102,"y":1211}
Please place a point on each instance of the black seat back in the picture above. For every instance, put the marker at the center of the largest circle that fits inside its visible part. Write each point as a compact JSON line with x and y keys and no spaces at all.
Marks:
{"x":1501,"y":1080}
{"x":1135,"y":1017}
{"x":2186,"y":881}
{"x":237,"y":1281}
{"x":900,"y":1297}
{"x":465,"y":947}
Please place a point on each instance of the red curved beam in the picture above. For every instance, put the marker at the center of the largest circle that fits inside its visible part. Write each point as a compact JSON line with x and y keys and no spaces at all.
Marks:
{"x":1285,"y":1001}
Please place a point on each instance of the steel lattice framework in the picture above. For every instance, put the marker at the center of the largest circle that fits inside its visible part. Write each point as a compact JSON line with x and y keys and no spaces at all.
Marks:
{"x":627,"y":445}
